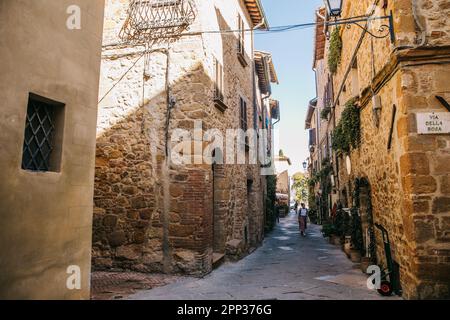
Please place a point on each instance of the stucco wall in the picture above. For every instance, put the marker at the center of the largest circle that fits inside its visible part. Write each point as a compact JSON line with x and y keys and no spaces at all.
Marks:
{"x":47,"y":217}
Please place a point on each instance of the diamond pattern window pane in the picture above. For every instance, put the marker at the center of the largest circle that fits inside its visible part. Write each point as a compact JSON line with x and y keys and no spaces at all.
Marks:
{"x":39,"y":131}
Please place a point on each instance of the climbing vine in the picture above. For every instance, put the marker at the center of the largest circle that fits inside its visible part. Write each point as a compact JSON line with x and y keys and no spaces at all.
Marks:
{"x":322,"y":174}
{"x":356,"y":231}
{"x":312,"y":202}
{"x":335,"y":50}
{"x":325,"y":112}
{"x":270,"y":203}
{"x":323,"y":177}
{"x":347,"y":134}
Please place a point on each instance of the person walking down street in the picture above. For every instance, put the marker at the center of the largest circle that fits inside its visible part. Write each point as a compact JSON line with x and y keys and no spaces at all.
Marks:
{"x":277,"y":214}
{"x":302,"y":217}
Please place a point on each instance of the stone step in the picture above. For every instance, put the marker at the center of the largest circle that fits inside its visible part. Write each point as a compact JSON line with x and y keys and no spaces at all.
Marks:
{"x":218,"y":259}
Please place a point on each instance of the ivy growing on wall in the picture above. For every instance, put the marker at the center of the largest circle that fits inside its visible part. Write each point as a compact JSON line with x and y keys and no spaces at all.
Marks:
{"x":324,"y":173}
{"x":356,"y":231}
{"x":325,"y":112}
{"x":347,"y":134}
{"x":335,"y":50}
{"x":323,"y":177}
{"x":270,"y":203}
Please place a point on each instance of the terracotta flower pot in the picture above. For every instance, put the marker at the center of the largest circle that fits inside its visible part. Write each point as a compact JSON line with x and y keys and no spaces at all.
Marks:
{"x":355,"y":256}
{"x":332,"y":237}
{"x":336,"y":240}
{"x":347,"y":249}
{"x":365,"y":263}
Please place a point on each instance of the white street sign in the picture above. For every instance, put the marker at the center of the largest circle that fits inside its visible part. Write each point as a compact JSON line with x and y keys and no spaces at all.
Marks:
{"x":433,"y":123}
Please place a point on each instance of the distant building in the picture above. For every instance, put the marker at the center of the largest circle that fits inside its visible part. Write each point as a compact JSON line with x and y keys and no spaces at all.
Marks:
{"x":282,"y":164}
{"x":152,"y":214}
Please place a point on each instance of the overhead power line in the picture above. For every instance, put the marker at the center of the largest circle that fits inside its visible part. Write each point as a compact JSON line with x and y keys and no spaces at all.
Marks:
{"x":277,"y":29}
{"x":270,"y":30}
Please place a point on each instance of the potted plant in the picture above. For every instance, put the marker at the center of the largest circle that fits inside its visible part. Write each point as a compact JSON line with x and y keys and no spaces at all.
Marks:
{"x":356,"y":236}
{"x":336,"y":240}
{"x":328,"y":231}
{"x":348,"y":245}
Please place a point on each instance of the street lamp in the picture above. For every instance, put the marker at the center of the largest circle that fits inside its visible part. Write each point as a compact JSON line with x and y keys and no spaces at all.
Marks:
{"x":305,"y":165}
{"x":334,"y":10}
{"x":334,"y":7}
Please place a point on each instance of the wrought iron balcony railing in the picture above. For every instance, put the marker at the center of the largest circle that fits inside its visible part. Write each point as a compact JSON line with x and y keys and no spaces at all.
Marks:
{"x":157,"y":19}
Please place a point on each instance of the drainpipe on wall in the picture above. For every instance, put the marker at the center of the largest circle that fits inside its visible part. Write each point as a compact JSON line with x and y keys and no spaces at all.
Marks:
{"x":165,"y":178}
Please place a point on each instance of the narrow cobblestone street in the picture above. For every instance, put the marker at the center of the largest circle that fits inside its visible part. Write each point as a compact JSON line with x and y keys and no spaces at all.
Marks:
{"x":285,"y":267}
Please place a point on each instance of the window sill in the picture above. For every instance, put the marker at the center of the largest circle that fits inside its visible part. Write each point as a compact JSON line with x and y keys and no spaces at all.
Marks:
{"x":219,"y":104}
{"x":242,"y":59}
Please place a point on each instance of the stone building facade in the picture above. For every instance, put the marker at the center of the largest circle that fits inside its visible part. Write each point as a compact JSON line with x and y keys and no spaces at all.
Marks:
{"x":49,"y":89}
{"x":153,"y":214}
{"x":282,"y":164}
{"x":402,"y":174}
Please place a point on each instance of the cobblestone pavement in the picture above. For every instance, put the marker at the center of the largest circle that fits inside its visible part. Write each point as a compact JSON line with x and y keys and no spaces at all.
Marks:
{"x":118,"y":285}
{"x":285,"y":267}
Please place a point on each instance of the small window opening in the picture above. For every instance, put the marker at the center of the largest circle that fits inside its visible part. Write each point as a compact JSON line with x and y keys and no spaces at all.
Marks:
{"x":43,"y":134}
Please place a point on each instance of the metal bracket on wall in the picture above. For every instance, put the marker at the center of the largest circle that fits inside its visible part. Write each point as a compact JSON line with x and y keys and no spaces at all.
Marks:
{"x":444,"y":102}
{"x":384,"y":31}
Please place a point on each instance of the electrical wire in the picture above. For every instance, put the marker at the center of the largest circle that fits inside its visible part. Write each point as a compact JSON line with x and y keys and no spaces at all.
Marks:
{"x":259,"y":31}
{"x":276,"y":29}
{"x":121,"y":78}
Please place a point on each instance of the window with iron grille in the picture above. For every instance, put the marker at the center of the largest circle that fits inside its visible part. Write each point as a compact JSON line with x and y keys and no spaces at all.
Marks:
{"x":42,"y":146}
{"x":149,"y":20}
{"x":243,"y":107}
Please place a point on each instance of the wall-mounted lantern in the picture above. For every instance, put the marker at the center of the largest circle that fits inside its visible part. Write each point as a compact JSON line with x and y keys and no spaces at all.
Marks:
{"x":334,"y":7}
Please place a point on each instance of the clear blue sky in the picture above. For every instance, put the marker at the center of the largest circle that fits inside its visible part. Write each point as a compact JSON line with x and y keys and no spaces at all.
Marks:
{"x":293,"y":57}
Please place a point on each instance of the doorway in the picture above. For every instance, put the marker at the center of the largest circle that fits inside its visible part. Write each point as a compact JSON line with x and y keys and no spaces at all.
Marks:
{"x":219,"y":208}
{"x":365,"y":208}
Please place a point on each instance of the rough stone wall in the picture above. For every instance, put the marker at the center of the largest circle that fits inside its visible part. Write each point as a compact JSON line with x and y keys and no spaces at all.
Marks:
{"x":283,"y":182}
{"x":380,"y":167}
{"x":153,"y":215}
{"x":409,"y":181}
{"x":425,"y":182}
